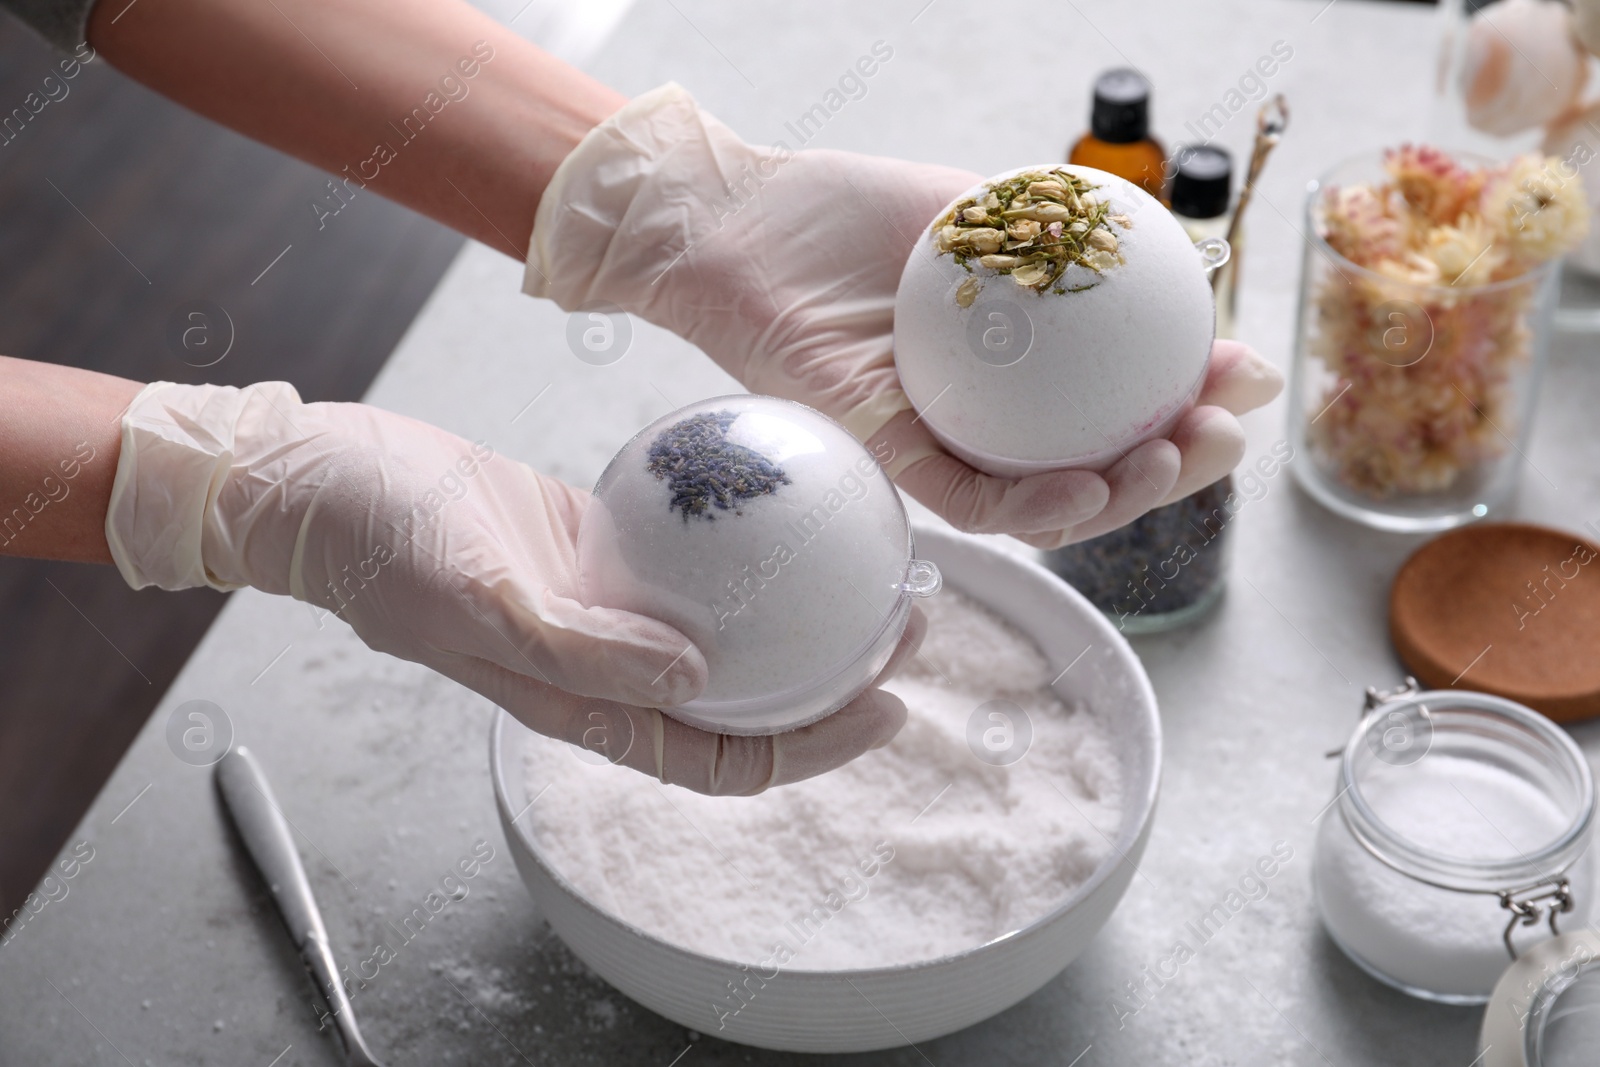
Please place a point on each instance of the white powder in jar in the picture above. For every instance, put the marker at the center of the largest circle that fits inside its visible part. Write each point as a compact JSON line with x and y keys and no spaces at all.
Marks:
{"x":910,"y":852}
{"x":1429,"y":938}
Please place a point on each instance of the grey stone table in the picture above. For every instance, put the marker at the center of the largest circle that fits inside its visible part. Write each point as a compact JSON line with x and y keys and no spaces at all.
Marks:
{"x":163,"y":948}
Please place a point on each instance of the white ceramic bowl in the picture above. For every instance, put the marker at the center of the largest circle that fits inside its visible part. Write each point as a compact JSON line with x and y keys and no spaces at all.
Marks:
{"x":860,"y":1010}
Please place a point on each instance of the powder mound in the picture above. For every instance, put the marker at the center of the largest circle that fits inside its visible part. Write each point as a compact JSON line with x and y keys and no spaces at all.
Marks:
{"x":911,"y":852}
{"x":968,"y":641}
{"x":705,"y":469}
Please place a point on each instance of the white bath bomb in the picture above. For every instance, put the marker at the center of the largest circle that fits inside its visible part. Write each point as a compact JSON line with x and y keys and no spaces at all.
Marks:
{"x":1103,"y":348}
{"x":1576,"y":145}
{"x":770,"y":538}
{"x":1523,"y":65}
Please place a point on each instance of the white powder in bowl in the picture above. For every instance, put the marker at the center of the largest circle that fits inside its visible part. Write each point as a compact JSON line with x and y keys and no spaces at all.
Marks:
{"x":911,"y":852}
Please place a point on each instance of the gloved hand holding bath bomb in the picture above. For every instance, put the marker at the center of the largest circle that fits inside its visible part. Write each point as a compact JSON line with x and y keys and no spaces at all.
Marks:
{"x":784,"y":265}
{"x":445,"y":552}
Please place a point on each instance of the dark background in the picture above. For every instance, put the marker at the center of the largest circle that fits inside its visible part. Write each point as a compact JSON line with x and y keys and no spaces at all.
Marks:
{"x":185,"y":212}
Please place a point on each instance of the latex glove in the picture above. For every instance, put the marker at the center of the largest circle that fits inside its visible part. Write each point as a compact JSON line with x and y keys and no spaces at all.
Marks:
{"x":783,"y":265}
{"x":438,"y":551}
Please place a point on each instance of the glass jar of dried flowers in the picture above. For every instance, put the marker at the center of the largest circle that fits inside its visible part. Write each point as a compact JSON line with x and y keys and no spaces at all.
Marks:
{"x":1426,"y":295}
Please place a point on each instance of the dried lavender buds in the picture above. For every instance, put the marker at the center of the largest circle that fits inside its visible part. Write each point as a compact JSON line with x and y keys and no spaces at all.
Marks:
{"x":706,"y":470}
{"x":1032,"y":226}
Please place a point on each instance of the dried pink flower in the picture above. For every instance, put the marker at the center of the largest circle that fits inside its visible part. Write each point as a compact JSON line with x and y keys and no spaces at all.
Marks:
{"x":1432,"y":183}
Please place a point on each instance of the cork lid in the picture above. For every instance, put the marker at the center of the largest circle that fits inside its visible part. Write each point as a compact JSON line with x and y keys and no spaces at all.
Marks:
{"x":1504,"y":608}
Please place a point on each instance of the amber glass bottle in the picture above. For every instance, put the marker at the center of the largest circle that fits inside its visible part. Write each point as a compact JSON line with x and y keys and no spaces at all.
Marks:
{"x":1119,"y":140}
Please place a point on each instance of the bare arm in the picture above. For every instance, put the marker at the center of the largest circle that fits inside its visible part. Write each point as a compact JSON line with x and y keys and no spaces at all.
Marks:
{"x":427,"y":102}
{"x":335,"y":81}
{"x":59,"y":443}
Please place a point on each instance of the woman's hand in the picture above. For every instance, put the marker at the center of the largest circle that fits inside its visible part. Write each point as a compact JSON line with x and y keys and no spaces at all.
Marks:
{"x":442,"y":552}
{"x":783,"y":267}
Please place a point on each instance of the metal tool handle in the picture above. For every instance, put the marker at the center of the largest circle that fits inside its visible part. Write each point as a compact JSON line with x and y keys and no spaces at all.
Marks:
{"x":248,"y":797}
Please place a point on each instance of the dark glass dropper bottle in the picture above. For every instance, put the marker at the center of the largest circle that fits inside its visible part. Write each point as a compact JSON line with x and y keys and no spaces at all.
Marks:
{"x":1202,"y":194}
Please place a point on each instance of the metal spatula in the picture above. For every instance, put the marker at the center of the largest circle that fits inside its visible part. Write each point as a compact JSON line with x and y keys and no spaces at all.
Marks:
{"x":249,"y":800}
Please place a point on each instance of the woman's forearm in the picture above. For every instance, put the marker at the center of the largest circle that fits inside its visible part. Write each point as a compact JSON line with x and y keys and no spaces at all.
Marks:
{"x":59,"y":442}
{"x":427,"y":102}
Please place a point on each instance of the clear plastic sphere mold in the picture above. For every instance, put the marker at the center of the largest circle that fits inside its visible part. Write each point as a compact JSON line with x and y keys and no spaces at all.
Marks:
{"x":773,"y":540}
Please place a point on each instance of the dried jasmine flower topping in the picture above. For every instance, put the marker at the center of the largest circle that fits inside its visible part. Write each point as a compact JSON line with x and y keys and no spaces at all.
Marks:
{"x":967,"y":292}
{"x":706,"y":470}
{"x":1032,"y":226}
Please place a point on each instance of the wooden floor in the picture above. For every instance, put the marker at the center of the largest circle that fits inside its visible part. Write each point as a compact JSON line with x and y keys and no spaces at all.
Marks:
{"x":119,"y":213}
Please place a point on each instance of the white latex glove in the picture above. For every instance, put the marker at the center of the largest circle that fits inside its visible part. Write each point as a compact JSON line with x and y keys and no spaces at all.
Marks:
{"x":438,"y":551}
{"x":782,"y":266}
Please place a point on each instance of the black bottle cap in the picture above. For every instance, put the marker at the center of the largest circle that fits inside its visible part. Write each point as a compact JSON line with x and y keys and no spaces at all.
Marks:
{"x":1202,"y":181}
{"x":1121,"y":113}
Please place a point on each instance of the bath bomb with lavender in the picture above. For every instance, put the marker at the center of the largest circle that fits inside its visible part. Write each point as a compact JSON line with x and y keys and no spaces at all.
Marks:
{"x":1052,"y":318}
{"x":770,"y":538}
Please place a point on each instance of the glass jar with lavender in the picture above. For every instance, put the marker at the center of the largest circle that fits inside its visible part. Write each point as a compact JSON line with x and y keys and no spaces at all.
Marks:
{"x":1165,"y":569}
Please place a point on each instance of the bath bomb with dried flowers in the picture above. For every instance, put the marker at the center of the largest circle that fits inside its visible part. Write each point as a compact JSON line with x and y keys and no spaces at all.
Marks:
{"x":1523,"y":65}
{"x":1052,"y":318}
